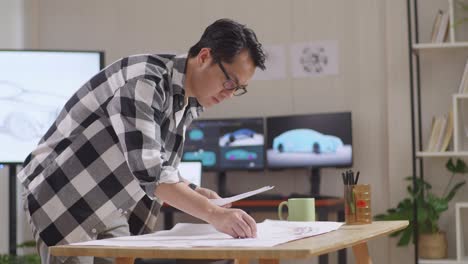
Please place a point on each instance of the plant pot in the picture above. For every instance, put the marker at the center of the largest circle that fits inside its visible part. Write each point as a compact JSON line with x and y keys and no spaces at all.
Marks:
{"x":432,"y":246}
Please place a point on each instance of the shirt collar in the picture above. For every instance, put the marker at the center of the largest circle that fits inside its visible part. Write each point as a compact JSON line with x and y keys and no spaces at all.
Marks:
{"x":178,"y":81}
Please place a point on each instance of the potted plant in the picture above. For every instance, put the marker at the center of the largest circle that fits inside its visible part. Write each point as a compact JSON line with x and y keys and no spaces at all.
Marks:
{"x":432,"y":241}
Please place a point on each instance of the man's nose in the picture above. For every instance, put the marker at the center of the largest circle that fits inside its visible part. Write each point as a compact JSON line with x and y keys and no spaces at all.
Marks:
{"x":227,"y":94}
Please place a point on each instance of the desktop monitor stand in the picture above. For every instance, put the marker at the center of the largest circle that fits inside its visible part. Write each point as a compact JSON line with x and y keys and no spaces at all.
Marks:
{"x":314,"y":182}
{"x":12,"y":208}
{"x":222,"y":184}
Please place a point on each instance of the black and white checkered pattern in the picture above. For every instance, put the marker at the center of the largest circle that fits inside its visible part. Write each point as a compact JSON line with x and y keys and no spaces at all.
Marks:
{"x":117,"y":138}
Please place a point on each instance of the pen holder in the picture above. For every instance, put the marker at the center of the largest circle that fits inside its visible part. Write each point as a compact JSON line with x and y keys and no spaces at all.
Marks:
{"x":350,"y":207}
{"x":362,"y":198}
{"x":357,"y":200}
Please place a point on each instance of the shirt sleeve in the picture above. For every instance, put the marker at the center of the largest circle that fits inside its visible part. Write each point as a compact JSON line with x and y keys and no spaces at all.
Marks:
{"x":136,"y":112}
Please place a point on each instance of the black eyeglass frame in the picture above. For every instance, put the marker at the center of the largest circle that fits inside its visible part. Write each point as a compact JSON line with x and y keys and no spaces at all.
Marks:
{"x":238,"y":89}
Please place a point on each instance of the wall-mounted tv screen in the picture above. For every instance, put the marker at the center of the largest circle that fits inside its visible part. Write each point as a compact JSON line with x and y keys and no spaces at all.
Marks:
{"x":314,"y":140}
{"x":34,"y":86}
{"x":228,"y":144}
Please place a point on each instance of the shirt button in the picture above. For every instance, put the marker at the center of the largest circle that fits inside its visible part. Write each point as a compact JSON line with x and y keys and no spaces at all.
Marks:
{"x":94,"y":230}
{"x":120,"y":210}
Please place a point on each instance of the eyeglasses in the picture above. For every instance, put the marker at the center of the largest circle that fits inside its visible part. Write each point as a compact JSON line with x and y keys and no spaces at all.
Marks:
{"x":230,"y":84}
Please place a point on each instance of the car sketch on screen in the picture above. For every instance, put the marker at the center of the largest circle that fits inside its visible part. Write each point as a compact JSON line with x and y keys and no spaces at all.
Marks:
{"x":26,"y":114}
{"x":208,"y":158}
{"x":196,"y":134}
{"x":241,"y":137}
{"x":306,"y":140}
{"x":240,"y":154}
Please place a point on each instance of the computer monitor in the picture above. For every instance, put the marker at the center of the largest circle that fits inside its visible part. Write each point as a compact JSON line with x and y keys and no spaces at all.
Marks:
{"x":191,"y":171}
{"x":314,"y":140}
{"x":34,"y":86}
{"x":226,"y":144}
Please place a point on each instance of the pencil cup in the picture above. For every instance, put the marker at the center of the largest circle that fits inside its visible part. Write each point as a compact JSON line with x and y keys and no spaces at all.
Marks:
{"x":362,"y":196}
{"x":350,"y":207}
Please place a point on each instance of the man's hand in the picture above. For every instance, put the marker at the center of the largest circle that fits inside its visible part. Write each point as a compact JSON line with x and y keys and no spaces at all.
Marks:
{"x":234,"y":222}
{"x":210,"y":194}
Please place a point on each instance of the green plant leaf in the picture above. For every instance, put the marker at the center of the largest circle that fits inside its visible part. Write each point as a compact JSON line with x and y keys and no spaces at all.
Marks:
{"x":453,"y":191}
{"x":25,"y":244}
{"x":459,"y":167}
{"x":397,"y":233}
{"x":405,"y":237}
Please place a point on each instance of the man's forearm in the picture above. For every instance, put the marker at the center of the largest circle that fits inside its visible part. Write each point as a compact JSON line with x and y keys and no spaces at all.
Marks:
{"x":180,"y":196}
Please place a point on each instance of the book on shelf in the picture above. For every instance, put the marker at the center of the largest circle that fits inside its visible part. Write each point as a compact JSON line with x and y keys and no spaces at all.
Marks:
{"x":440,"y":27}
{"x":434,"y":130}
{"x":448,"y":133}
{"x":463,"y":88}
{"x":435,"y":26}
{"x":441,"y":133}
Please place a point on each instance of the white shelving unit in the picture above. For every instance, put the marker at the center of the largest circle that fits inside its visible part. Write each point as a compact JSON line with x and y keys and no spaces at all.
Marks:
{"x":460,"y":119}
{"x":442,"y":261}
{"x":445,"y":154}
{"x":440,"y":46}
{"x":459,"y":232}
{"x":460,"y":124}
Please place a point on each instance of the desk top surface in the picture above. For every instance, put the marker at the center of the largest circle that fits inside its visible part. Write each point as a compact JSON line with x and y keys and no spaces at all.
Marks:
{"x":346,"y":236}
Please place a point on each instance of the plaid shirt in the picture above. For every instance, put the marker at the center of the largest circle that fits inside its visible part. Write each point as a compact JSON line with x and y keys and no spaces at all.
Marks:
{"x":118,"y":137}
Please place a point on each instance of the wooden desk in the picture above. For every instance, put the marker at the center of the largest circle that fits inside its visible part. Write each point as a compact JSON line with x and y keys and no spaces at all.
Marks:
{"x":323,"y":207}
{"x":355,"y":236}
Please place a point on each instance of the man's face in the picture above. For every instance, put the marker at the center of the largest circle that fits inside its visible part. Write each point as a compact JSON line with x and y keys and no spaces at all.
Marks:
{"x":210,"y":82}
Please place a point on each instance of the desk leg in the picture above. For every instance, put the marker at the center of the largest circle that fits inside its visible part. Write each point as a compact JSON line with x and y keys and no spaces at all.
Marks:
{"x":361,"y":253}
{"x":241,"y":261}
{"x":124,"y":260}
{"x":323,"y":216}
{"x":268,"y":261}
{"x":342,"y":252}
{"x":168,"y":220}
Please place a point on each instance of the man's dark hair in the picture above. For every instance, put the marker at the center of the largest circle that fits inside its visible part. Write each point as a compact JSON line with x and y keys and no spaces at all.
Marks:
{"x":226,"y":38}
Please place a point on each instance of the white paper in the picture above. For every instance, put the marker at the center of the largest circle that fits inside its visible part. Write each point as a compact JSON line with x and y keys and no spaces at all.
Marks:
{"x":275,"y":63}
{"x":224,"y":201}
{"x":313,"y":59}
{"x":269,"y":233}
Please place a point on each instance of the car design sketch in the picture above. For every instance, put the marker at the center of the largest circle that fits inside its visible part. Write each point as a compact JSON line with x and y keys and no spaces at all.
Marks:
{"x":240,"y":154}
{"x":196,"y":134}
{"x":306,"y":141}
{"x":27,"y":114}
{"x":208,"y":158}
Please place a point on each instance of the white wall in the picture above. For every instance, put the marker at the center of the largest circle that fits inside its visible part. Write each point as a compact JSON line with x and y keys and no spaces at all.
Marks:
{"x":373,"y":79}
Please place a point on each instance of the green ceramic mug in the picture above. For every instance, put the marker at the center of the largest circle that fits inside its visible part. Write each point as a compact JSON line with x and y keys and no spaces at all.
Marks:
{"x":299,"y":209}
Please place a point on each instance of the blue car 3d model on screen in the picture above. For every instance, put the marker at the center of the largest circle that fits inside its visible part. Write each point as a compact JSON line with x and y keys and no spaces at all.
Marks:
{"x":241,"y":137}
{"x":307,"y":141}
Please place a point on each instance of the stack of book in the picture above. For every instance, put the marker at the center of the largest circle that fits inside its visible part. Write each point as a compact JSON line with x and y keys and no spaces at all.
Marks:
{"x":440,"y":28}
{"x":441,"y":133}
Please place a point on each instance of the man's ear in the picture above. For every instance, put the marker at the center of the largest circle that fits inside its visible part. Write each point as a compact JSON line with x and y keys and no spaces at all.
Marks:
{"x":204,"y":55}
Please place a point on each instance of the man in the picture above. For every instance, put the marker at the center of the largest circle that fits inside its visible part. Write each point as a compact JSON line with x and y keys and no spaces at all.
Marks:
{"x":110,"y":159}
